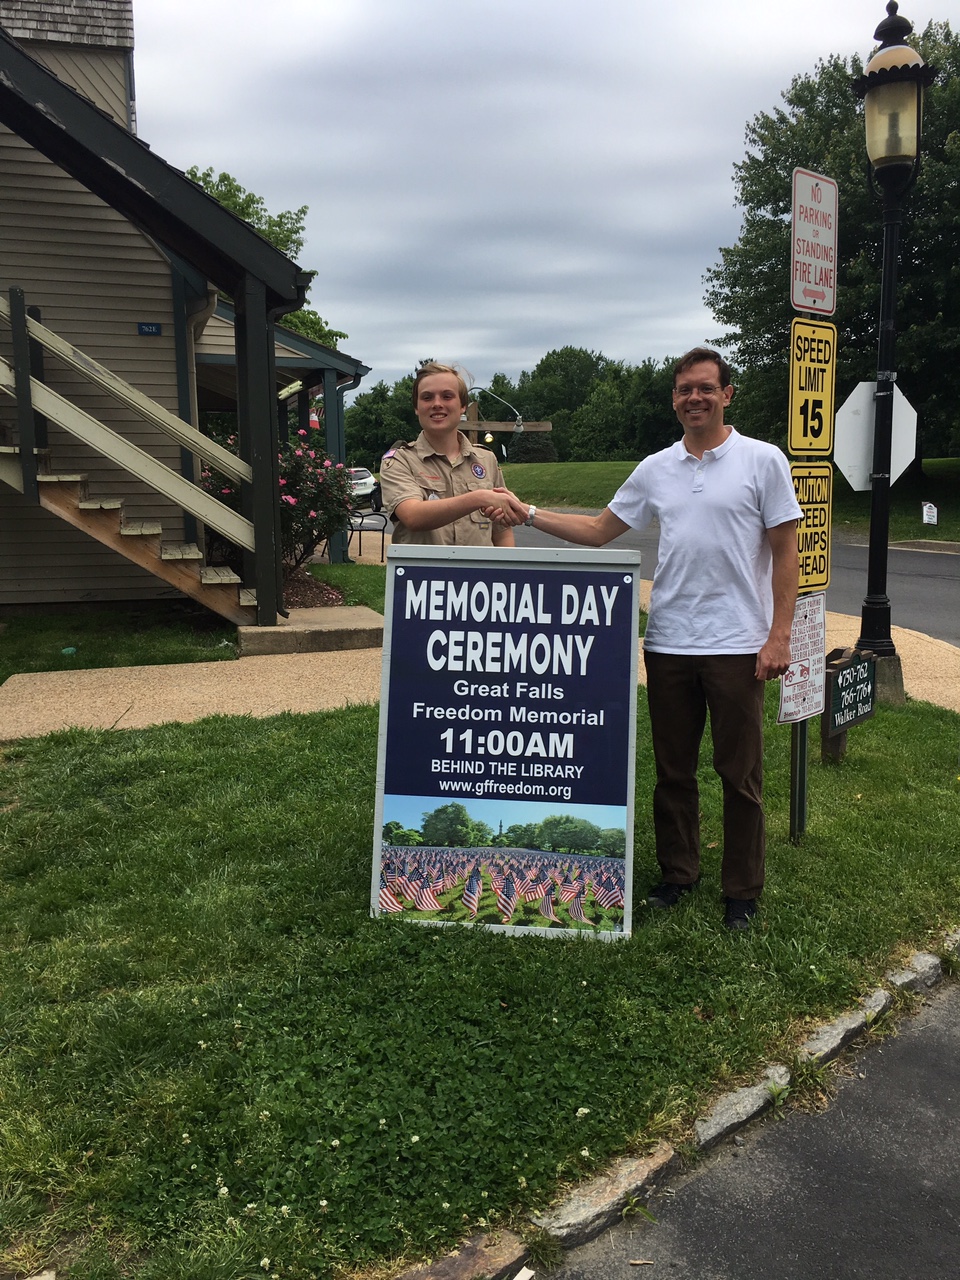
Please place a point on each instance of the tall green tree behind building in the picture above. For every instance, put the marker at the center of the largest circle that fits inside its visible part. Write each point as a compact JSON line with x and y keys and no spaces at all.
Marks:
{"x":285,"y":232}
{"x":820,"y":127}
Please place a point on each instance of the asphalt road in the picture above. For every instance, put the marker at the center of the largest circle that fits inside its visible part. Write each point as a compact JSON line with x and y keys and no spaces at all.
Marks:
{"x":923,"y":586}
{"x":865,"y":1190}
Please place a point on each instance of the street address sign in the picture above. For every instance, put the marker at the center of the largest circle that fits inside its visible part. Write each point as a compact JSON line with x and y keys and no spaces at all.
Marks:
{"x":813,"y":269}
{"x":813,"y":366}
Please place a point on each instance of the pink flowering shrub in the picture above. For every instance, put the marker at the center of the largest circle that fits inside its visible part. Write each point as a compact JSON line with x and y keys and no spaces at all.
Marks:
{"x":315,"y":492}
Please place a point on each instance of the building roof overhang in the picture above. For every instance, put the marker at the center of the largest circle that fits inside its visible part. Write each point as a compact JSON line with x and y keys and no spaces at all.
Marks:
{"x":116,"y":166}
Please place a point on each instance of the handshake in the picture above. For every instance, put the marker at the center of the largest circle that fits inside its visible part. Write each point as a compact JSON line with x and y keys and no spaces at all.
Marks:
{"x":508,"y":510}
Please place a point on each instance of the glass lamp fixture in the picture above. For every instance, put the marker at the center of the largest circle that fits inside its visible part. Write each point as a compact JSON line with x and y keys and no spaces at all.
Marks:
{"x":892,"y":89}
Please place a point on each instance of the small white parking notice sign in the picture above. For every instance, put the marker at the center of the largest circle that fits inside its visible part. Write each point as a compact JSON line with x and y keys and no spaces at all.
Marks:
{"x":803,"y":684}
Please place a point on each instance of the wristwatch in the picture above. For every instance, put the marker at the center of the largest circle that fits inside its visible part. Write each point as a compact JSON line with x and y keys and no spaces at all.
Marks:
{"x":531,"y":514}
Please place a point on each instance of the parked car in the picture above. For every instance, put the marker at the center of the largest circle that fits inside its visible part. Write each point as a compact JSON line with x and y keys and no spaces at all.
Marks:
{"x":363,"y":484}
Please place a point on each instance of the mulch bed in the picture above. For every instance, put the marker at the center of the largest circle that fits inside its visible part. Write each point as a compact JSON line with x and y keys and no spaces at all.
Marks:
{"x":301,"y":590}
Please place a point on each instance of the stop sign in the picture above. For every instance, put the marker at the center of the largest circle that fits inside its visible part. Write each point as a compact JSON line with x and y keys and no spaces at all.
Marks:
{"x":853,"y":436}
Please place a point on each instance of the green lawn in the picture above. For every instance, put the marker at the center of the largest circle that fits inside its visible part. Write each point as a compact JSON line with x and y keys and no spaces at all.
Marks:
{"x":112,"y":636}
{"x":216,"y":1066}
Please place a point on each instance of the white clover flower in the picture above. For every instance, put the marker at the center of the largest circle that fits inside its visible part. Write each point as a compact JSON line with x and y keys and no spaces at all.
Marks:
{"x":202,"y":1044}
{"x":415,"y":1138}
{"x":223,"y":1192}
{"x":323,"y":1204}
{"x":232,"y":1222}
{"x":335,"y":1142}
{"x":521,"y":1182}
{"x":483,"y":1195}
{"x":585,"y":1152}
{"x":582,"y":1111}
{"x":445,"y":1205}
{"x":250,"y":1210}
{"x":265,"y":1263}
{"x":185,"y":1139}
{"x":264,"y":1115}
{"x":383,"y":1124}
{"x":285,"y":1211}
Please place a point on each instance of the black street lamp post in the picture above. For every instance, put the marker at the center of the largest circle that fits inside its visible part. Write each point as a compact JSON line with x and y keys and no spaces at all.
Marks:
{"x":892,"y":89}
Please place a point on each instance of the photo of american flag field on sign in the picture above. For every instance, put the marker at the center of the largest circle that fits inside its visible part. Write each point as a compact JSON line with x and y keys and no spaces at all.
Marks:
{"x":503,"y":887}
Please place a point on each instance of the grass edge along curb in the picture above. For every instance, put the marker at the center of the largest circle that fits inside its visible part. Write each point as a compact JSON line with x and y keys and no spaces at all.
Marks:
{"x":595,"y":1205}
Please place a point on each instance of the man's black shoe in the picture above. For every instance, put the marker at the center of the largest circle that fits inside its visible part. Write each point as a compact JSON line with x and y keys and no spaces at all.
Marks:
{"x":739,"y":913}
{"x":668,"y":895}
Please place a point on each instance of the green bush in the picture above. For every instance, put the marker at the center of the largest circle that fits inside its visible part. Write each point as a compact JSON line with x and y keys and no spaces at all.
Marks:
{"x":315,"y":492}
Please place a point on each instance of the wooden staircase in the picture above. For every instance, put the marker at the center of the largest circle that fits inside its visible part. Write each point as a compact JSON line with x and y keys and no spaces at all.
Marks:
{"x":178,"y":563}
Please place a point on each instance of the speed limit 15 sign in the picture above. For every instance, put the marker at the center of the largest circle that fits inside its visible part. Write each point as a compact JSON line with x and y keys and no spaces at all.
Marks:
{"x":813,"y":363}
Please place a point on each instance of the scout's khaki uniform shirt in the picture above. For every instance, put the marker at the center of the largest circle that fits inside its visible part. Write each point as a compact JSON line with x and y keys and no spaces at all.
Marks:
{"x":414,"y":470}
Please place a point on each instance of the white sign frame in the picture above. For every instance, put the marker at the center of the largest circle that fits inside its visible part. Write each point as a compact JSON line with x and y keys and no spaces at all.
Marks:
{"x":419,"y":653}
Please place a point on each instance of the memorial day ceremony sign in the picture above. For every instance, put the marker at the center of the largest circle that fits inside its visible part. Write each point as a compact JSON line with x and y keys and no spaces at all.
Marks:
{"x":505,"y":773}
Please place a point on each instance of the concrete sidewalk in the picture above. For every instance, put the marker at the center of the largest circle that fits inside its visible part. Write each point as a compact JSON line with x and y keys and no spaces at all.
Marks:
{"x":132,"y":697}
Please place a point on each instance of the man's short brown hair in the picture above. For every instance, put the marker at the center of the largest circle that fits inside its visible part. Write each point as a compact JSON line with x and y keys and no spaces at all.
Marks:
{"x":697,"y":356}
{"x":430,"y":367}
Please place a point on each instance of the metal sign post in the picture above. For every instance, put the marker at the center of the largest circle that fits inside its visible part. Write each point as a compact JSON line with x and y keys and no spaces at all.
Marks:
{"x":813,"y":353}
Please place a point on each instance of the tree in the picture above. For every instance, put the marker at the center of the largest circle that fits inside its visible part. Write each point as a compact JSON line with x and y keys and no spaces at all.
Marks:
{"x":377,"y":419}
{"x":284,"y":231}
{"x":562,"y":831}
{"x":820,"y":127}
{"x":613,"y":842}
{"x":523,"y":835}
{"x":451,"y":826}
{"x":396,"y":833}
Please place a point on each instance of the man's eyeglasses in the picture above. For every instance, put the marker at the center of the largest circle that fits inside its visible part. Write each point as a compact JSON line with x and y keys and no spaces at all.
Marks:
{"x":705,"y":389}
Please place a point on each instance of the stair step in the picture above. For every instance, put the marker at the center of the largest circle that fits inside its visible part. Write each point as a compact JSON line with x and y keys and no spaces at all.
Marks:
{"x":180,"y":551}
{"x":248,"y":597}
{"x":100,"y":504}
{"x":62,"y":478}
{"x":218,"y":574}
{"x":141,"y":528}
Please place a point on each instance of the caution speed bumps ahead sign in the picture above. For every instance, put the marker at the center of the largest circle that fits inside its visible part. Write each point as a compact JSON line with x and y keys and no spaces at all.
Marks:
{"x":813,"y":485}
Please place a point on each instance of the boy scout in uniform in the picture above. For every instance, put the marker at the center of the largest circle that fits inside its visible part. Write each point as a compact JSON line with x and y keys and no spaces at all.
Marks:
{"x":439,"y":489}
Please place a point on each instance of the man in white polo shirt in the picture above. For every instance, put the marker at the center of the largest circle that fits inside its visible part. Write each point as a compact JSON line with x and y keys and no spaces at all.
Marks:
{"x":721,"y":610}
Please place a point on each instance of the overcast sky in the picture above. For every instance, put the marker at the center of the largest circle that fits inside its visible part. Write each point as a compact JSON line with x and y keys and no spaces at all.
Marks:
{"x":490,"y":179}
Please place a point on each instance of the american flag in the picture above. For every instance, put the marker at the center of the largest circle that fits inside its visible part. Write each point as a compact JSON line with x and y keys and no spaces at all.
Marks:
{"x":423,"y":898}
{"x":507,"y":898}
{"x":569,"y":890}
{"x":472,"y":892}
{"x":605,"y":894}
{"x":576,"y":908}
{"x":387,"y":900}
{"x":535,"y":888}
{"x":546,"y":906}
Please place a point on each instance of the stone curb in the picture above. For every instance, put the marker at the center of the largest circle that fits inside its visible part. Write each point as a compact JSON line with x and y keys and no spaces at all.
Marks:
{"x":593,"y":1206}
{"x":738,"y":1108}
{"x":485,"y":1257}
